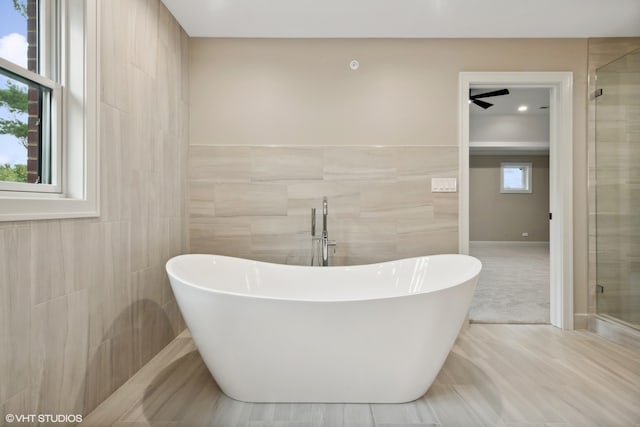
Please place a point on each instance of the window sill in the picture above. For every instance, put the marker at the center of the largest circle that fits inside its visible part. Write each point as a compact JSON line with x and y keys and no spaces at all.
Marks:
{"x":41,"y":208}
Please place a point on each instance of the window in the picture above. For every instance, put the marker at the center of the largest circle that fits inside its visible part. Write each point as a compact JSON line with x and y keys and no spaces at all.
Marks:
{"x":48,"y":109}
{"x":28,"y":109}
{"x":28,"y":100}
{"x":515,"y":178}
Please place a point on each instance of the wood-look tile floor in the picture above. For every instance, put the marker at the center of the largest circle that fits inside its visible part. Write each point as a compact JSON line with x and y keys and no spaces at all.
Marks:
{"x":496,"y":375}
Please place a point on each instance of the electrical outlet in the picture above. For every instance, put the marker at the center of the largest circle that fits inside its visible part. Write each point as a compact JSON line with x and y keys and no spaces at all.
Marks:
{"x":525,"y":234}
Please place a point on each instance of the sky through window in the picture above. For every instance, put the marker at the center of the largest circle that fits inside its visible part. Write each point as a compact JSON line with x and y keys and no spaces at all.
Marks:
{"x":13,"y":47}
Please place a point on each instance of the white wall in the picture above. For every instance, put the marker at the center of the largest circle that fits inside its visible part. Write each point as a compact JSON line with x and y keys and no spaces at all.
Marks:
{"x":509,"y":128}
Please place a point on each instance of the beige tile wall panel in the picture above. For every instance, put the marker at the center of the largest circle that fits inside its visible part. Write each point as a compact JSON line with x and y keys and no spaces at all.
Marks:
{"x":438,"y":241}
{"x":85,"y":303}
{"x":413,"y":162}
{"x":250,"y":199}
{"x":366,"y":238}
{"x":276,"y":164}
{"x":59,"y":350}
{"x":219,"y":164}
{"x":20,"y":403}
{"x":359,"y":164}
{"x":50,"y":266}
{"x":15,"y":300}
{"x":113,"y":185}
{"x":225,"y":236}
{"x":344,"y":197}
{"x":397,"y":200}
{"x":375,"y":212}
{"x":281,"y":236}
{"x":115,"y":50}
{"x":445,"y":206}
{"x":143,"y":21}
{"x":202,"y":199}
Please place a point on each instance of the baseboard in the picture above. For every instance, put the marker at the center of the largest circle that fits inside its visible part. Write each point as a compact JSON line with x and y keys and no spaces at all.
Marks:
{"x":613,"y":331}
{"x":581,"y":321}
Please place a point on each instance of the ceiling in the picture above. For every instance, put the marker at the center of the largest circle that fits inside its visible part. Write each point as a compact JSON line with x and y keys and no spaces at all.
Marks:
{"x":533,"y":98}
{"x":407,"y":18}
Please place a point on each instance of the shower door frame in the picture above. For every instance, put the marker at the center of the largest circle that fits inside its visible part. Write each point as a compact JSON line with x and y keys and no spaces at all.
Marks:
{"x":560,"y":175}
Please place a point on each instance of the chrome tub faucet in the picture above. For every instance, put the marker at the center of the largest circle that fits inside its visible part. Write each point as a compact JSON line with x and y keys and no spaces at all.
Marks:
{"x":326,"y":243}
{"x":324,"y":238}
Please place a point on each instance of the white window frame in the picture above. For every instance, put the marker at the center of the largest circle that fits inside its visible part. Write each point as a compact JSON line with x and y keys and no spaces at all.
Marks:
{"x":71,"y":60}
{"x":528,"y":184}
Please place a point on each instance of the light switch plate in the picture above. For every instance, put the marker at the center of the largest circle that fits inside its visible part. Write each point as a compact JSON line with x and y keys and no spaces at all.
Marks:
{"x":444,"y":185}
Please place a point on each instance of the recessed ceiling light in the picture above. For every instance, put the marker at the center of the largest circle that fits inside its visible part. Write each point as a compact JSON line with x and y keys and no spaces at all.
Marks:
{"x":523,"y":108}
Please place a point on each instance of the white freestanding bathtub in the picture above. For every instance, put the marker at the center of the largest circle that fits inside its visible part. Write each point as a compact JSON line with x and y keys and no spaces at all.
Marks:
{"x":374,"y":333}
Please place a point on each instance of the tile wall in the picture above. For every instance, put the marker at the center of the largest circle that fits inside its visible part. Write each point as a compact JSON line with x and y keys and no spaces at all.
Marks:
{"x":255,"y":202}
{"x":85,"y":303}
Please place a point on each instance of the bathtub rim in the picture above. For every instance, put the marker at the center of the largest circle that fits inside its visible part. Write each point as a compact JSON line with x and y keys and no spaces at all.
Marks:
{"x":171,"y":274}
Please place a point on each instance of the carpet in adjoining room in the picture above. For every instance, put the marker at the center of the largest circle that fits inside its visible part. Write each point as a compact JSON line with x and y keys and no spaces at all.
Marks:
{"x":514,"y":282}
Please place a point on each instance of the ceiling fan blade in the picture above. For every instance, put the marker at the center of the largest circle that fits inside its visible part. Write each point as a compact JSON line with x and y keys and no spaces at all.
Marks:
{"x":482,"y":104}
{"x":490,"y":94}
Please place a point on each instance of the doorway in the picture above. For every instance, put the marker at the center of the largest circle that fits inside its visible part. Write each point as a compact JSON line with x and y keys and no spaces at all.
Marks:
{"x":509,"y":203}
{"x":559,"y":85}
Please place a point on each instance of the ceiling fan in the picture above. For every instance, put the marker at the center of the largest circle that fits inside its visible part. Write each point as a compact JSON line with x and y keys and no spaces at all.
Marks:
{"x":483,"y":104}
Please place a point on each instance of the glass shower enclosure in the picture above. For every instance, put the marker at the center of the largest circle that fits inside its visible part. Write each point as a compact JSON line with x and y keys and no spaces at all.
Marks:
{"x":617,"y":166}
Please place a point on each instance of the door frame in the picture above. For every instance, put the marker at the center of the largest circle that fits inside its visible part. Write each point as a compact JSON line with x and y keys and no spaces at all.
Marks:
{"x":560,"y":175}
